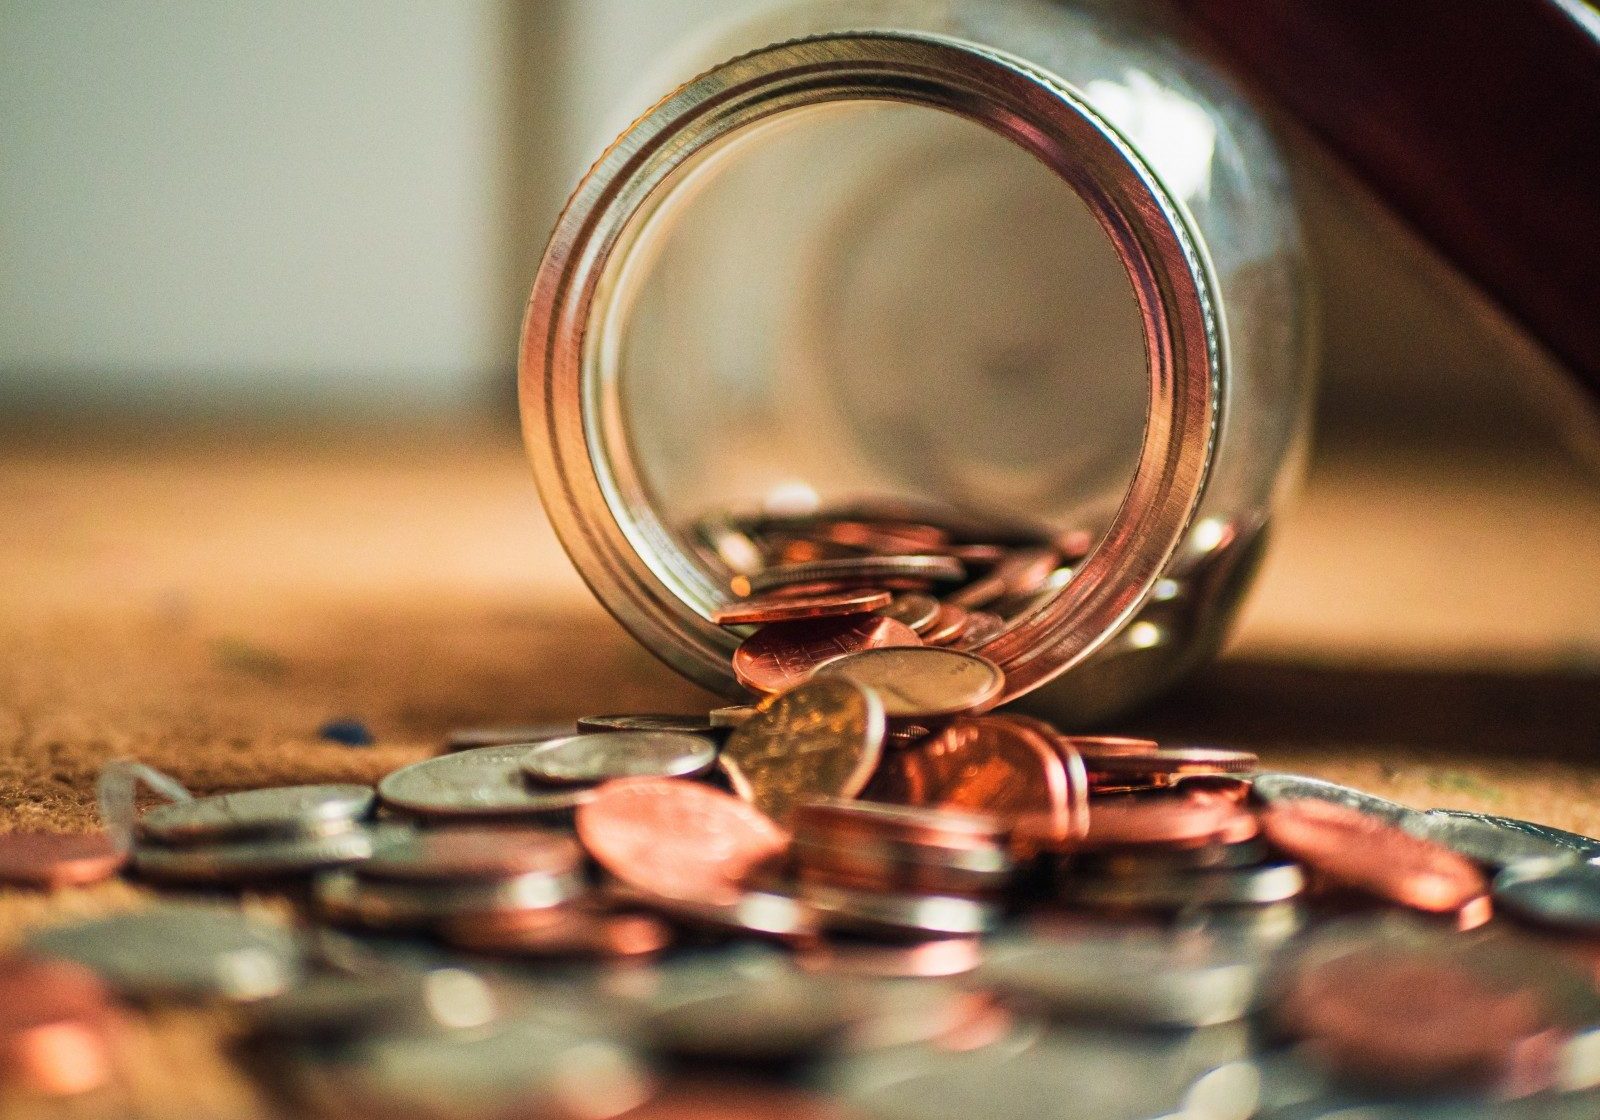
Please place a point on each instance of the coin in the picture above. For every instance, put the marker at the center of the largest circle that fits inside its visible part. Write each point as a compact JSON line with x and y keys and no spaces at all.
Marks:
{"x":981,"y":629}
{"x":855,"y":569}
{"x":473,"y":738}
{"x":1355,"y":849}
{"x":984,"y":765}
{"x":280,"y":811}
{"x":444,"y":855}
{"x":484,"y":782}
{"x":562,"y":932}
{"x":57,"y":859}
{"x":1497,"y":841}
{"x":1407,"y":1020}
{"x":1168,"y":821}
{"x":1162,"y":767}
{"x":1223,"y":886}
{"x":329,"y":1006}
{"x":787,"y":608}
{"x":241,"y":861}
{"x":183,"y":951}
{"x":599,"y":756}
{"x":345,"y":896}
{"x":675,"y":838}
{"x":770,"y":915}
{"x":1563,"y":893}
{"x":1144,"y":977}
{"x":56,"y":1027}
{"x":876,"y":913}
{"x":776,"y":1018}
{"x":780,"y":656}
{"x":1275,"y":787}
{"x":914,"y":609}
{"x":920,"y":682}
{"x":1021,"y":572}
{"x":732,"y":716}
{"x":947,"y":626}
{"x":1077,"y":775}
{"x":820,"y":739}
{"x":1156,"y":860}
{"x":684,"y":722}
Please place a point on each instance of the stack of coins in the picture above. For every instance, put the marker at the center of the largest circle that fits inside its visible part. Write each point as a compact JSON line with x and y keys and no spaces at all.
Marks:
{"x":454,"y":878}
{"x":254,"y":834}
{"x":866,"y":880}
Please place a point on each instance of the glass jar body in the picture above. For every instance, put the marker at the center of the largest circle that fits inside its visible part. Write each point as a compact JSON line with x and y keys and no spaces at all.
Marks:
{"x":932,"y":298}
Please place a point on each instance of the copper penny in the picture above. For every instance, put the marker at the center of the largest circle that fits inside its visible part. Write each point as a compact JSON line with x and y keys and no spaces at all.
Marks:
{"x":918,"y":683}
{"x":787,"y":608}
{"x":56,"y":1025}
{"x":678,"y":839}
{"x":822,"y":738}
{"x":1021,"y":572}
{"x":855,"y":568}
{"x":1169,"y":821}
{"x":780,"y":656}
{"x":564,"y":931}
{"x":947,"y":626}
{"x":989,"y":766}
{"x":58,"y":859}
{"x":1077,"y":775}
{"x":1354,"y":849}
{"x":472,"y":852}
{"x":1410,"y":1020}
{"x":1164,"y":767}
{"x":889,"y":538}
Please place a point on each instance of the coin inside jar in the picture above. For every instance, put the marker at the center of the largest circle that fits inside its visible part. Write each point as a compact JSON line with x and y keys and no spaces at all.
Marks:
{"x":787,"y":608}
{"x":920,"y":682}
{"x":856,"y":570}
{"x":600,"y":756}
{"x":780,"y":656}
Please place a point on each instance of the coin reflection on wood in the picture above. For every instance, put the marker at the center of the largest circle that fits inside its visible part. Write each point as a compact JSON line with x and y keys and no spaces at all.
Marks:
{"x":57,"y":859}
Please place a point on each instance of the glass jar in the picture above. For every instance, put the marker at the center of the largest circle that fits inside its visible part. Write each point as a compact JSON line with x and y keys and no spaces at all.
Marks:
{"x":1023,"y":266}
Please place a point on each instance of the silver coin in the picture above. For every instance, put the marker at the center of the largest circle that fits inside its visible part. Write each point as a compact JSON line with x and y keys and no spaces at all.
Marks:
{"x":735,"y":715}
{"x":534,"y":1064}
{"x":1136,"y":977}
{"x":339,"y":1006}
{"x":1241,"y":886}
{"x":756,"y":913}
{"x":472,"y":738}
{"x":485,"y":782}
{"x":1561,"y":892}
{"x":913,"y":609}
{"x":774,"y":1019}
{"x":1270,"y":787}
{"x":899,"y":915}
{"x":1498,"y":841}
{"x":649,"y":721}
{"x":244,"y":860}
{"x":603,"y":755}
{"x":278,"y":811}
{"x":944,"y":569}
{"x":181,"y":951}
{"x":344,"y":896}
{"x":917,"y":682}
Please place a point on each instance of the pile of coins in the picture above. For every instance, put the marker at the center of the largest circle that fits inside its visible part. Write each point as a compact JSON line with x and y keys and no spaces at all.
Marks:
{"x":864,"y":894}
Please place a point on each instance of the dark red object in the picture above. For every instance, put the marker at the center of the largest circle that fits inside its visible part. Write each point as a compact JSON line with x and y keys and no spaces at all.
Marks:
{"x":1478,"y":123}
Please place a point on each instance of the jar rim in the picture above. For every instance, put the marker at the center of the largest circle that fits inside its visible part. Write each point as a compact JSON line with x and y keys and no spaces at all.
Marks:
{"x":623,"y":552}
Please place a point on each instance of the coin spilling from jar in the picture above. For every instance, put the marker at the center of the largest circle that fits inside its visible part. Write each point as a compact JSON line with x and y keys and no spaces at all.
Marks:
{"x":866,"y":892}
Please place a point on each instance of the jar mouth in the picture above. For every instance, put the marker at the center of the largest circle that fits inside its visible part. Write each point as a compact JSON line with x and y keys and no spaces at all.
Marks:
{"x":598,"y":504}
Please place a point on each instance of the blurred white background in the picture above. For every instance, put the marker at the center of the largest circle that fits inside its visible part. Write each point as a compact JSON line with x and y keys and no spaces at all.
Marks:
{"x":220,"y":204}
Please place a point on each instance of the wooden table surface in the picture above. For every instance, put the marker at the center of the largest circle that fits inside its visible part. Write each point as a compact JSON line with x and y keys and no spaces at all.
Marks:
{"x":1426,"y":627}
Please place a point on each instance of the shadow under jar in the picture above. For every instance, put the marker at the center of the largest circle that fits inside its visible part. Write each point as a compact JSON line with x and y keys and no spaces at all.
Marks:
{"x":1021,"y":271}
